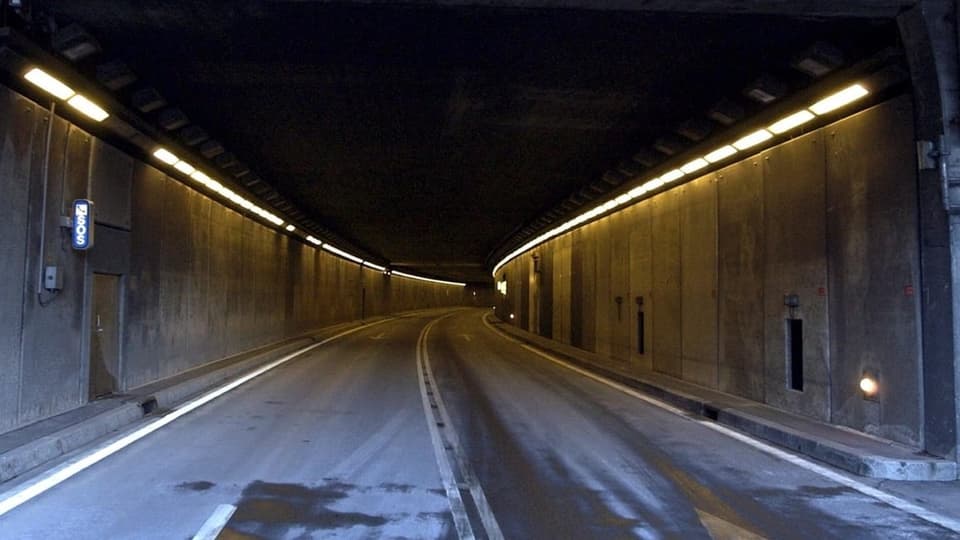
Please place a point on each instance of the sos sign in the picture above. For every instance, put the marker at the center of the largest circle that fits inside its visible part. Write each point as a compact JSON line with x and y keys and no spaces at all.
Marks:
{"x":82,"y":234}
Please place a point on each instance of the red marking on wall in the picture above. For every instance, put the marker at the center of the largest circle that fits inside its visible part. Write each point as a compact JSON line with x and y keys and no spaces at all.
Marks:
{"x":908,"y":290}
{"x":822,"y":291}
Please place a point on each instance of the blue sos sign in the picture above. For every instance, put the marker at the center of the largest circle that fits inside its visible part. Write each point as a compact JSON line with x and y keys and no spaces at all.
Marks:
{"x":82,"y":235}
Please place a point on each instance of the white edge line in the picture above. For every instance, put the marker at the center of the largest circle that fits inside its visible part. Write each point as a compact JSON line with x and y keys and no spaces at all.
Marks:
{"x":457,"y":508}
{"x":892,"y":500}
{"x":487,"y":518}
{"x":65,"y":471}
{"x":215,"y":523}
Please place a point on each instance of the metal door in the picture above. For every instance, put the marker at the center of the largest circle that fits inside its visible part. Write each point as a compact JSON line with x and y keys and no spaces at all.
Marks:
{"x":104,"y":335}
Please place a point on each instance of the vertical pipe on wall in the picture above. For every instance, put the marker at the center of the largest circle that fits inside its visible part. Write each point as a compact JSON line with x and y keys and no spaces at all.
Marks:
{"x":43,"y":206}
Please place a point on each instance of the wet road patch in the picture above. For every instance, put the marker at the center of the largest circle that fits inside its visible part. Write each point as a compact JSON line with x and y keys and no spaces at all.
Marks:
{"x":271,"y":510}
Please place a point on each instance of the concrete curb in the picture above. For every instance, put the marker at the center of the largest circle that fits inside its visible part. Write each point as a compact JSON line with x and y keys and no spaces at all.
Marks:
{"x":21,"y":459}
{"x":150,"y":398}
{"x":835,"y":453}
{"x":169,"y":396}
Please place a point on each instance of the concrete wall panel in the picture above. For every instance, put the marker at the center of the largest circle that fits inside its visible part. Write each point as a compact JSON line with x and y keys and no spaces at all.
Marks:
{"x":872,"y":214}
{"x":111,"y":172}
{"x":53,"y":376}
{"x":641,"y":284}
{"x":22,"y":128}
{"x":605,"y":308}
{"x":621,"y":306}
{"x":795,"y":264}
{"x":562,"y":302}
{"x":545,"y":315}
{"x":588,"y":289}
{"x":698,"y":296}
{"x":740,"y":237}
{"x":142,"y":302}
{"x":576,"y":288}
{"x":665,"y":296}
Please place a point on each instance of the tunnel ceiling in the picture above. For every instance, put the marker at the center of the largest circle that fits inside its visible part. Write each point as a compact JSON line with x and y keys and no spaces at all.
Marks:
{"x":428,"y":134}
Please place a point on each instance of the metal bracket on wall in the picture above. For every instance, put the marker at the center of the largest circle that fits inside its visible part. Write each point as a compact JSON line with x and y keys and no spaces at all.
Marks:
{"x":948,"y":172}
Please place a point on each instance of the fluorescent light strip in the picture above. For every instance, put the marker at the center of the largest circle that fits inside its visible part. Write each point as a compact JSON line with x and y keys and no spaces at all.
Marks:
{"x":694,"y":166}
{"x":672,"y":176}
{"x":796,"y":119}
{"x":184,"y":167}
{"x":342,"y":253}
{"x":87,"y":107}
{"x":49,"y":84}
{"x":313,"y":240}
{"x":290,"y":228}
{"x":841,"y":98}
{"x":720,"y":154}
{"x":165,"y":156}
{"x":53,"y":86}
{"x":431,"y":280}
{"x":201,"y":178}
{"x":753,"y":139}
{"x":374,"y":266}
{"x":828,"y":104}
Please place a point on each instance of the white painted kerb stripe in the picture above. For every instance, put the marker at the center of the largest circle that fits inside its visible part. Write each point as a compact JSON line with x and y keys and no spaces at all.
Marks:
{"x":59,"y":474}
{"x":458,"y":510}
{"x":215,"y":523}
{"x":901,"y":504}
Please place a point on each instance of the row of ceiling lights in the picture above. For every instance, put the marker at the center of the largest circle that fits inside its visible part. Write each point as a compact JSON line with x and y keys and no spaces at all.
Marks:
{"x":748,"y":141}
{"x":53,"y":86}
{"x":817,"y":61}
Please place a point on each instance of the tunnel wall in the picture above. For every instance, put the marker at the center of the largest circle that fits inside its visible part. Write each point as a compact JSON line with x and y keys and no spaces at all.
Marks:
{"x":830,"y":216}
{"x":198,"y":281}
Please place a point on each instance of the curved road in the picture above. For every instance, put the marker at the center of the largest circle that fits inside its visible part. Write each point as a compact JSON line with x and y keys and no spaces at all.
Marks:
{"x":427,"y":427}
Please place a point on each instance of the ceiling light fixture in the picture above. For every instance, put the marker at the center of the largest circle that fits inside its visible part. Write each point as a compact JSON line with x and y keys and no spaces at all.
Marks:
{"x":165,"y":156}
{"x":672,"y":176}
{"x":694,"y":166}
{"x":720,"y":154}
{"x":88,"y":108}
{"x":49,"y":84}
{"x":337,"y":251}
{"x":844,"y":97}
{"x":756,"y":138}
{"x":184,"y":167}
{"x":794,"y":120}
{"x":431,"y":280}
{"x":753,"y":139}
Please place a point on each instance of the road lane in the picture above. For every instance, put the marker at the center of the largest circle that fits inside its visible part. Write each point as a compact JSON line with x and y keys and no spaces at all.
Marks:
{"x":334,"y":443}
{"x":563,"y":456}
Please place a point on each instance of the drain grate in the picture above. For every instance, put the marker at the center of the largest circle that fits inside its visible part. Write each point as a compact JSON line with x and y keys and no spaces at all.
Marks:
{"x":149,"y":405}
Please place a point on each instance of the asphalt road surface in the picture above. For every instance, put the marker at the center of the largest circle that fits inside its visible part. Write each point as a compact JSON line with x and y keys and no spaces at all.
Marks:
{"x":427,"y":427}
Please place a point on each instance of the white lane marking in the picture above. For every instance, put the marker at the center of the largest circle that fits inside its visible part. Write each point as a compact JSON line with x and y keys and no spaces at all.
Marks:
{"x":466,"y":337}
{"x":460,"y":518}
{"x":489,"y":521}
{"x":892,"y":500}
{"x":215,"y":523}
{"x":65,"y":471}
{"x":381,"y":335}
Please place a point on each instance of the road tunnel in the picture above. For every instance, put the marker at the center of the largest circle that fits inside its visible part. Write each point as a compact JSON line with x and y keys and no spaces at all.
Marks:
{"x":512,"y":240}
